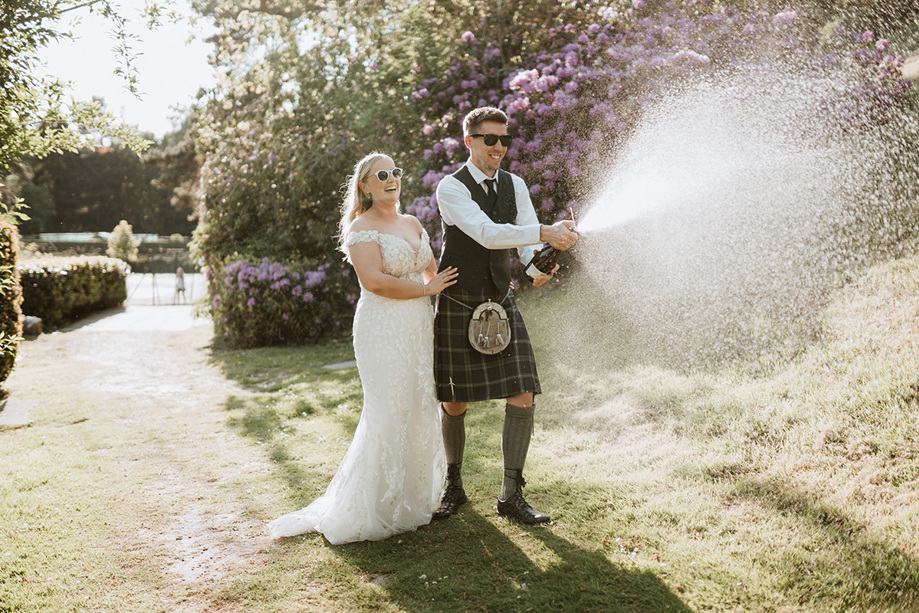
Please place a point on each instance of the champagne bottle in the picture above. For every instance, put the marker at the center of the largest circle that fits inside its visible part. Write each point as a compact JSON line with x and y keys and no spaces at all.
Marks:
{"x":543,"y":261}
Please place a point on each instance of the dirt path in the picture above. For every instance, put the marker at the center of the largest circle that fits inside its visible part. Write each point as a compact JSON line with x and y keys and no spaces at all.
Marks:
{"x":134,"y":388}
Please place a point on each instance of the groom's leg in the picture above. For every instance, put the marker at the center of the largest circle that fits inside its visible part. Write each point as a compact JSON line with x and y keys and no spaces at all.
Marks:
{"x":515,"y":443}
{"x":453,"y":430}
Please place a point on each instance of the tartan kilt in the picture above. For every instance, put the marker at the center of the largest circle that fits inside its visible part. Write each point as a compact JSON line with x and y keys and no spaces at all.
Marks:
{"x":476,"y":376}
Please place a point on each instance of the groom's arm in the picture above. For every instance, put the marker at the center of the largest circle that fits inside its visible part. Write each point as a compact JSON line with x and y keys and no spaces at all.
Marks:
{"x":457,"y":208}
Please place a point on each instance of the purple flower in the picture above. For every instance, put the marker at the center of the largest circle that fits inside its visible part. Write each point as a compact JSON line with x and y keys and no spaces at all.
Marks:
{"x":520,"y":104}
{"x":468,"y":37}
{"x":785,"y":17}
{"x":690,"y":58}
{"x":250,"y":302}
{"x":523,"y":78}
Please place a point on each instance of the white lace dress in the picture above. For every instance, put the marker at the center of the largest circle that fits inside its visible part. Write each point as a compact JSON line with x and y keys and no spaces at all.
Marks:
{"x":391,"y":477}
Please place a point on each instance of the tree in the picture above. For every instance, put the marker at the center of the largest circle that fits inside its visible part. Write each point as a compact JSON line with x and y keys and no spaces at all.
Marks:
{"x":121,"y":243}
{"x":94,"y":188}
{"x":34,"y":119}
{"x":310,"y":89}
{"x":179,"y":164}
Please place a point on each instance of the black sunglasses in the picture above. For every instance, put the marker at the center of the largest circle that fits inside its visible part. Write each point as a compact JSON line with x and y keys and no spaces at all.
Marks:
{"x":383,"y":175}
{"x":491,"y":139}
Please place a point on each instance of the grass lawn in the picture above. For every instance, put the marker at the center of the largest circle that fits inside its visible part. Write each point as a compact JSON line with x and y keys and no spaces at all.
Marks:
{"x":788,"y":483}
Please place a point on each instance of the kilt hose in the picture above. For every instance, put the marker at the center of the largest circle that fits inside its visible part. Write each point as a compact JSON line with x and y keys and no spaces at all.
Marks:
{"x":465,"y":375}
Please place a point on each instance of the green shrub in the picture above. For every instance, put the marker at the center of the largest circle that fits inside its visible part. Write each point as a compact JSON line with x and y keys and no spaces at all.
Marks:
{"x":10,"y":299}
{"x":62,"y":289}
{"x":121,"y":243}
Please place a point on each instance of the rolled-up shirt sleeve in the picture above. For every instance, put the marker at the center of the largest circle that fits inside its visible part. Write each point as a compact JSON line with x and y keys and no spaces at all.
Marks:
{"x":457,"y":208}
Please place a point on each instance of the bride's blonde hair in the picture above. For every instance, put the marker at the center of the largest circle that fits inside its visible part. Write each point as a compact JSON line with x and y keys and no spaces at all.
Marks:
{"x":356,"y":201}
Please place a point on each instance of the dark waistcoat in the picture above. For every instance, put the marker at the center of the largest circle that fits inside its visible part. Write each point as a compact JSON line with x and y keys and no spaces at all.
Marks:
{"x":482,"y":269}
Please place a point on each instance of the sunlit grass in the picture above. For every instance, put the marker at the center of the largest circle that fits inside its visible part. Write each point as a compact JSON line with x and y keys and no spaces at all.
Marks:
{"x":730,"y":487}
{"x":784,"y":487}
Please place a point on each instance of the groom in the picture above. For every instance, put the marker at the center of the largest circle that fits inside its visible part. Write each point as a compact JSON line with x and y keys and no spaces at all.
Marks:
{"x":486,"y":212}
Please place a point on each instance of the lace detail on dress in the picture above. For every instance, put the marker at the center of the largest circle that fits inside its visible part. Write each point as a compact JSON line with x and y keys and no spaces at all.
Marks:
{"x":391,"y":476}
{"x":399,"y":258}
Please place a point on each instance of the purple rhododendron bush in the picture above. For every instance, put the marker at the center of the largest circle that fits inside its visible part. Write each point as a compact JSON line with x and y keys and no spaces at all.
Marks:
{"x":269,"y":303}
{"x":575,"y":85}
{"x":574,"y":100}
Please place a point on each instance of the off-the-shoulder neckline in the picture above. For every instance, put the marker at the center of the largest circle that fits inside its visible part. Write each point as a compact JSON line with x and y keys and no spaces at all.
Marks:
{"x":415,"y":251}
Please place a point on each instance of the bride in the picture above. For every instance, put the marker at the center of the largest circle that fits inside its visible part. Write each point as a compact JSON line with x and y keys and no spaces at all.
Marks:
{"x":391,"y":477}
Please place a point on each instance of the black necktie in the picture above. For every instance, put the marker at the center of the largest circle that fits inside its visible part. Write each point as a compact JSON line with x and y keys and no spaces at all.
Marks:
{"x":491,"y":189}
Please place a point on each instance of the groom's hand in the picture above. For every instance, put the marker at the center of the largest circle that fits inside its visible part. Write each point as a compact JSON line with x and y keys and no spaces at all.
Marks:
{"x":559,"y":234}
{"x":543,"y":279}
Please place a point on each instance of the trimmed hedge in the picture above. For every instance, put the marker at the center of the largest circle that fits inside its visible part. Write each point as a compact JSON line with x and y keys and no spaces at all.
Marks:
{"x":10,"y":299}
{"x":62,"y":289}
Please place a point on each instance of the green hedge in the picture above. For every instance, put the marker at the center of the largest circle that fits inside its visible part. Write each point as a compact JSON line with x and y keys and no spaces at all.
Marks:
{"x":62,"y":289}
{"x":10,"y":299}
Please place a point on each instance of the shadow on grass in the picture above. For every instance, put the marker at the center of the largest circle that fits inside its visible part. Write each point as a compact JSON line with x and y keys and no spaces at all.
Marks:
{"x":290,"y":387}
{"x":857,"y":570}
{"x":272,"y":369}
{"x":467,"y":563}
{"x":257,"y":419}
{"x":261,"y":422}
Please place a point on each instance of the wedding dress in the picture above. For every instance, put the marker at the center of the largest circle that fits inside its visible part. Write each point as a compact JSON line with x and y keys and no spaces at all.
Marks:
{"x":391,"y":477}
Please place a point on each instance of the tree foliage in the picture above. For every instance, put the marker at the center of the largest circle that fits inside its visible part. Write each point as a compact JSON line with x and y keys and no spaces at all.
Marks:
{"x":306,"y":91}
{"x":35,"y":117}
{"x":121,"y":243}
{"x":10,"y":299}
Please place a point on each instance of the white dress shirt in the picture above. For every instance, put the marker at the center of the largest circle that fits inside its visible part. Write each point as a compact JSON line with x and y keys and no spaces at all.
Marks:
{"x":457,"y":208}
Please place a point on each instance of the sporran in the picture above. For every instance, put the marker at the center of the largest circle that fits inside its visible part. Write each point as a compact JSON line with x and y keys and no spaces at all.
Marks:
{"x":489,"y":328}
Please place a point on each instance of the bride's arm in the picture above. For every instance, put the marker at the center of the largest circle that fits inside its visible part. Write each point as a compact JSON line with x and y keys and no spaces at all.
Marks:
{"x":368,"y":264}
{"x":431,"y":271}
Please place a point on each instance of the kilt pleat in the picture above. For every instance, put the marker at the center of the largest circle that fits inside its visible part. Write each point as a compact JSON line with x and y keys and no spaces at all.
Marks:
{"x":465,"y":375}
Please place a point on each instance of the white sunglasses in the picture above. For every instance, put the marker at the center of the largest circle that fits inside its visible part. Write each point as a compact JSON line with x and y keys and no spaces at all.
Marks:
{"x":383,"y":175}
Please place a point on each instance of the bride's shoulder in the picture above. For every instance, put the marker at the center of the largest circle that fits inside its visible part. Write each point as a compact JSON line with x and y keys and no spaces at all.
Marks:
{"x":360,"y":232}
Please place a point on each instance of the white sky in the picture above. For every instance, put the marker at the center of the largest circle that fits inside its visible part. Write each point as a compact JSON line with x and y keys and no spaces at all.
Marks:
{"x":170,"y":69}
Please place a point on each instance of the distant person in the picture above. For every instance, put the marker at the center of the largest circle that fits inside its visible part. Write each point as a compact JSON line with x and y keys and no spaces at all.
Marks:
{"x":391,"y":477}
{"x":487,"y":212}
{"x":180,"y":286}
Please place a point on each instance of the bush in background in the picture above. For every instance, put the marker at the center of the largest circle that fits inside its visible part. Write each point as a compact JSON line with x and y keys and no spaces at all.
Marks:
{"x":60,"y":290}
{"x":121,"y":243}
{"x":269,"y":303}
{"x":10,"y":299}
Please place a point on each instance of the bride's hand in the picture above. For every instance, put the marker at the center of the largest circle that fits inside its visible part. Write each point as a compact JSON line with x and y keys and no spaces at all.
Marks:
{"x":441,"y":280}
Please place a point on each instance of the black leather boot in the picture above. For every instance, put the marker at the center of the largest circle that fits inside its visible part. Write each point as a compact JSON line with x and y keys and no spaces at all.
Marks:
{"x":516,"y":507}
{"x":453,"y":496}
